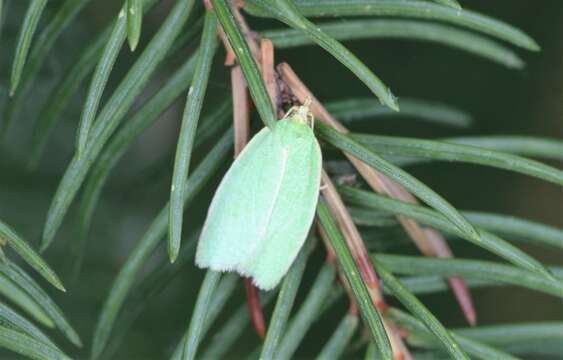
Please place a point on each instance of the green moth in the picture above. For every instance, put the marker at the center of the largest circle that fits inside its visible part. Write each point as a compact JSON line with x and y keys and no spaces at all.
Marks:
{"x":264,"y":207}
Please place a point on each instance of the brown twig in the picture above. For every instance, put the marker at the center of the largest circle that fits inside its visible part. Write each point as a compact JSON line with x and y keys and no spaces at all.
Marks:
{"x":438,"y":248}
{"x":255,"y":309}
{"x":456,"y":283}
{"x":331,"y":259}
{"x":353,"y":239}
{"x":269,"y":73}
{"x":360,"y":254}
{"x":381,"y":184}
{"x":241,"y":115}
{"x":400,"y":350}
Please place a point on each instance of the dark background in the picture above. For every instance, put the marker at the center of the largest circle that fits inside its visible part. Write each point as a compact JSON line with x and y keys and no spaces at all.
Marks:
{"x":501,"y":101}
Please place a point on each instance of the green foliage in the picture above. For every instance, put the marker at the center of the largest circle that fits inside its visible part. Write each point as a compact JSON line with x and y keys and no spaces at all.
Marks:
{"x":84,"y":104}
{"x":186,"y":138}
{"x":24,"y":41}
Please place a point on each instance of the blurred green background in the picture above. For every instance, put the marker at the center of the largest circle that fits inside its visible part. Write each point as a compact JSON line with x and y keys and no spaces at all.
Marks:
{"x":501,"y":101}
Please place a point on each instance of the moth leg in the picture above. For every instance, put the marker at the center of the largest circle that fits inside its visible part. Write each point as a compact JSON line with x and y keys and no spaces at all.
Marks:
{"x":305,"y":108}
{"x":311,"y":120}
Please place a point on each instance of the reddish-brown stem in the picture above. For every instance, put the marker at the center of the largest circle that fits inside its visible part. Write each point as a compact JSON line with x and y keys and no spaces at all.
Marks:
{"x":331,"y":259}
{"x":353,"y":239}
{"x":255,"y":309}
{"x":269,"y":74}
{"x":400,"y":350}
{"x":241,"y":114}
{"x":353,"y":308}
{"x":361,"y":256}
{"x":432,"y":243}
{"x":457,"y":284}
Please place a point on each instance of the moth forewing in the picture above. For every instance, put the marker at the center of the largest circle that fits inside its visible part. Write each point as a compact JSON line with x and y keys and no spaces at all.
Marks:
{"x":264,"y":207}
{"x":223,"y":242}
{"x":292,"y":216}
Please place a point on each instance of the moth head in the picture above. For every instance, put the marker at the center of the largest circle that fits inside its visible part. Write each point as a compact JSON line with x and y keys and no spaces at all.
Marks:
{"x":302,"y":114}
